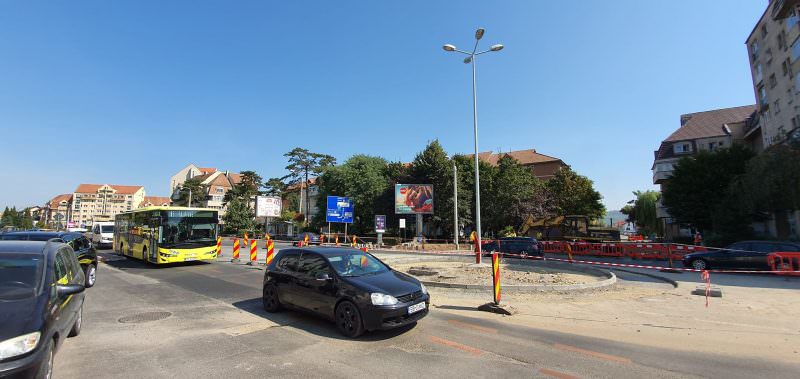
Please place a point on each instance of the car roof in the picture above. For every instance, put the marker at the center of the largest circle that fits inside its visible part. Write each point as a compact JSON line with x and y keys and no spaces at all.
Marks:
{"x":43,"y":234}
{"x":324,"y":250}
{"x":762,"y":241}
{"x":34,"y":248}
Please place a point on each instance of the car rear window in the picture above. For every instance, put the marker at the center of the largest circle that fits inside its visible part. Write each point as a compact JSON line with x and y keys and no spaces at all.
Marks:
{"x":107,"y":229}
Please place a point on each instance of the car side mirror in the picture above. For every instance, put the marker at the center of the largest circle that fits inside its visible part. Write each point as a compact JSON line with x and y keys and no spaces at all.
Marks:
{"x":322,"y":277}
{"x":65,"y":290}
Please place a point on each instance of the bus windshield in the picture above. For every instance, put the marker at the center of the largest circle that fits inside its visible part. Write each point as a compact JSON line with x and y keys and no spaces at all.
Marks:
{"x":187,"y":229}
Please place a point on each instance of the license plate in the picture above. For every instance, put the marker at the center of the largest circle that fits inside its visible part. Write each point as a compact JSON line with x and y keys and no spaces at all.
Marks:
{"x":416,"y":308}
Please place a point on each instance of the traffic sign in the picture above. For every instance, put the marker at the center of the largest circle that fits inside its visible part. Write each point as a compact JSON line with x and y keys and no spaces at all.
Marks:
{"x":380,"y":223}
{"x":339,"y":209}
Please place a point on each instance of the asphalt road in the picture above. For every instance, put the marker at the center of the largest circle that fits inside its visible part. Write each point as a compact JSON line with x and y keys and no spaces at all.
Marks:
{"x":214,"y":327}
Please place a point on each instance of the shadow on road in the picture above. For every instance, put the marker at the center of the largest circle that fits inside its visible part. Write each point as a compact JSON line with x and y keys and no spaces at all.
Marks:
{"x":312,"y":323}
{"x":126,"y":263}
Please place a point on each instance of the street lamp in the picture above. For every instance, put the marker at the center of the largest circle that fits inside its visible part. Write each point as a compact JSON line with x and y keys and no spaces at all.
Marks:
{"x":471,"y":59}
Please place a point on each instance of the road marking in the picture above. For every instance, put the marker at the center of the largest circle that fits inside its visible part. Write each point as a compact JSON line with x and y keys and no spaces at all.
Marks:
{"x":472,"y":326}
{"x":556,"y":374}
{"x":469,"y":349}
{"x":608,"y":357}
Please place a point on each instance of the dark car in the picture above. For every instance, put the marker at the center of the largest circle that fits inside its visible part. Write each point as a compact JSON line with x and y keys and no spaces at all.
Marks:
{"x":353,"y":288}
{"x":84,"y":250}
{"x":750,"y":255}
{"x":313,"y":238}
{"x":523,"y":246}
{"x":41,"y":303}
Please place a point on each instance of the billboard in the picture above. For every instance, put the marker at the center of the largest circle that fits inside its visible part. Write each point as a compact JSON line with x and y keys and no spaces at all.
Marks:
{"x":413,"y":198}
{"x":268,"y":206}
{"x":339,"y":209}
{"x":380,"y":224}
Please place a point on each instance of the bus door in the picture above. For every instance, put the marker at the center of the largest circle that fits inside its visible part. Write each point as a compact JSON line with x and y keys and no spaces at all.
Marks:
{"x":155,"y":236}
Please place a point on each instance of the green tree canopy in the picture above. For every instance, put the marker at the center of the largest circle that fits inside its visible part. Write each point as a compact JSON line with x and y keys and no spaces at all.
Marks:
{"x":700,"y":183}
{"x":304,"y":164}
{"x":575,"y":194}
{"x":198,"y":191}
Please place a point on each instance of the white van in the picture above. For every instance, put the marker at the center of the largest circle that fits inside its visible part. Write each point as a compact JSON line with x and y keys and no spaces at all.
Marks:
{"x":102,"y":234}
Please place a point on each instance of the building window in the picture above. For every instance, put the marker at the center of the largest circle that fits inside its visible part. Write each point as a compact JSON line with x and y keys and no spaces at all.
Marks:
{"x":759,"y":74}
{"x":680,"y":148}
{"x":762,"y":96}
{"x":772,"y":81}
{"x":220,"y":190}
{"x":791,"y":21}
{"x":782,"y":40}
{"x":763,"y":30}
{"x":777,"y":106}
{"x":796,"y":50}
{"x":754,"y":50}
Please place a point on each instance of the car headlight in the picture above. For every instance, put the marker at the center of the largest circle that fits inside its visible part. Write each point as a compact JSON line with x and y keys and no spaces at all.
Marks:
{"x":424,"y":290}
{"x":19,"y":345}
{"x":382,"y":299}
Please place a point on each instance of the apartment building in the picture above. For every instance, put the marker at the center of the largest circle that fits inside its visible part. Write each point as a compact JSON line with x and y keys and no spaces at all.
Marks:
{"x":101,"y":202}
{"x":709,"y":130}
{"x":57,"y":210}
{"x":774,"y":52}
{"x":217,"y":184}
{"x":542,"y":166}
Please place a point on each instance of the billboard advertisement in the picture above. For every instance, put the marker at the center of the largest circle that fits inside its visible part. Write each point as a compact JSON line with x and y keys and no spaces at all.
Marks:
{"x":268,"y":206}
{"x":339,"y":209}
{"x":413,"y":198}
{"x":380,"y":224}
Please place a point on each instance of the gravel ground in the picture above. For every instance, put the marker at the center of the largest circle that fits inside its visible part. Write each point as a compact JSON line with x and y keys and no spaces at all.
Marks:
{"x":462,"y":273}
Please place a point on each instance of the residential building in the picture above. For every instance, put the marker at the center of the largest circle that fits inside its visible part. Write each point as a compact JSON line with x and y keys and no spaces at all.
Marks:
{"x":543,"y":166}
{"x":774,"y":52}
{"x":101,"y":202}
{"x":308,"y":190}
{"x":709,"y":130}
{"x":155,"y":201}
{"x":217,"y":184}
{"x":57,"y":211}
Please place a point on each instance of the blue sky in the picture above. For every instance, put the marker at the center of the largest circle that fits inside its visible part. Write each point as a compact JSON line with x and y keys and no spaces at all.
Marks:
{"x":235,"y":84}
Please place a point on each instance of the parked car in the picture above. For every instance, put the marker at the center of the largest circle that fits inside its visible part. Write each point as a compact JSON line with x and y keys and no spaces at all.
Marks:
{"x":750,"y":255}
{"x":353,"y":288}
{"x":313,"y":238}
{"x":83,"y":248}
{"x":523,"y":246}
{"x":41,"y":303}
{"x":102,"y":234}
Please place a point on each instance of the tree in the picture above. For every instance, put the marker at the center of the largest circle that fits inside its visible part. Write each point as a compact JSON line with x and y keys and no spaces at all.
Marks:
{"x":302,"y":164}
{"x":433,"y":166}
{"x":246,"y":189}
{"x":516,"y":195}
{"x":575,"y":194}
{"x":770,"y":184}
{"x":198,"y":192}
{"x":26,"y":220}
{"x":363,"y":179}
{"x":239,"y":216}
{"x":274,"y":187}
{"x":699,"y":184}
{"x":643,"y":211}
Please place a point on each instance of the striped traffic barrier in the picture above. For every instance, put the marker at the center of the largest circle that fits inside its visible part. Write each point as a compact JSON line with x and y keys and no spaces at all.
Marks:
{"x":246,"y":240}
{"x":270,"y":251}
{"x":235,"y":250}
{"x":219,"y":246}
{"x":337,"y":240}
{"x":496,"y":277}
{"x":353,"y":244}
{"x":253,"y":252}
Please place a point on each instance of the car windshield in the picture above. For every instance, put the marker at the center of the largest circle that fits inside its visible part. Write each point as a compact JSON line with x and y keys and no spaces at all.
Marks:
{"x":189,"y":229}
{"x":19,"y":275}
{"x":356,"y":263}
{"x":107,"y":229}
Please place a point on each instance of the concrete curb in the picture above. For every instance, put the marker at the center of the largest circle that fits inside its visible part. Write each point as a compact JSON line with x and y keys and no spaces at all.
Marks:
{"x":610,"y":280}
{"x":654,"y":276}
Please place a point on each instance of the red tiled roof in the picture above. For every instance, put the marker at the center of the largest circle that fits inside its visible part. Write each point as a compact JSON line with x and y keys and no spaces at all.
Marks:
{"x":92,"y":188}
{"x":709,"y":123}
{"x":296,"y":186}
{"x":156,"y":200}
{"x":207,"y":170}
{"x":235,"y":178}
{"x":524,"y":157}
{"x":53,"y":203}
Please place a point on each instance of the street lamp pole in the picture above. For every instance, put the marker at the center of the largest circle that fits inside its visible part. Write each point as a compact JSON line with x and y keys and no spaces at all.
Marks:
{"x":471,"y":59}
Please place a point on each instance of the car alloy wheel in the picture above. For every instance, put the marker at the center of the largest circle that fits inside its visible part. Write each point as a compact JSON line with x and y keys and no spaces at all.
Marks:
{"x":91,"y":275}
{"x":348,"y":319}
{"x":269,"y":299}
{"x":699,"y":264}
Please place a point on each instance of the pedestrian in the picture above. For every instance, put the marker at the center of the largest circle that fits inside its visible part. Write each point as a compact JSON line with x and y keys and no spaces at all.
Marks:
{"x":698,"y":239}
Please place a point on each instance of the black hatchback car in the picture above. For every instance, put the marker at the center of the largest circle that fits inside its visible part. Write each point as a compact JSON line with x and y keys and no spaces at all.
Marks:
{"x":83,"y":248}
{"x":41,"y":303}
{"x":746,"y":255}
{"x":353,"y":288}
{"x":523,"y":246}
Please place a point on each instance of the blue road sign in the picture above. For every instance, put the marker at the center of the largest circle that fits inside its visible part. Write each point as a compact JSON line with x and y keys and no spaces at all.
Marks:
{"x":340,"y":209}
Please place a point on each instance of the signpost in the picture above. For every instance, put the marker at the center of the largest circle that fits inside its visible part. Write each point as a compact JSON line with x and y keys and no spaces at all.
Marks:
{"x":380,"y":227}
{"x":268,"y":207}
{"x":339,"y":209}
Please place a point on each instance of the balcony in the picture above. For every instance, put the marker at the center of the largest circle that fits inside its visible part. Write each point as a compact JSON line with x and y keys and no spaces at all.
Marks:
{"x":661,"y":176}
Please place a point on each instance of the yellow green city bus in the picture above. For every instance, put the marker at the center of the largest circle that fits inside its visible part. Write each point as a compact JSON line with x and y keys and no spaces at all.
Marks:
{"x":167,"y":234}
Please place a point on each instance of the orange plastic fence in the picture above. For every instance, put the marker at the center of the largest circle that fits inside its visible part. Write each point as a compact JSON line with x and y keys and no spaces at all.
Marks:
{"x":636,"y":250}
{"x":788,"y":263}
